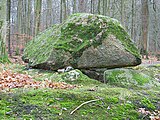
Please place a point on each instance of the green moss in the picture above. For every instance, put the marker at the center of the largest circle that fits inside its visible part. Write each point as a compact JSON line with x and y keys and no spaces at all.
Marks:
{"x":4,"y":59}
{"x":77,"y":33}
{"x":80,"y":79}
{"x":3,"y":54}
{"x":117,"y":103}
{"x":128,"y":78}
{"x":1,"y":23}
{"x":112,"y":100}
{"x":147,"y":104}
{"x":39,"y":49}
{"x":141,"y":78}
{"x":124,"y":111}
{"x":158,"y":65}
{"x":49,"y":104}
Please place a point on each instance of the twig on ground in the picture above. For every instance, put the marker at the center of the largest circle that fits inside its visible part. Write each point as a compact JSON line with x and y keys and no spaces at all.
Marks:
{"x":84,"y":104}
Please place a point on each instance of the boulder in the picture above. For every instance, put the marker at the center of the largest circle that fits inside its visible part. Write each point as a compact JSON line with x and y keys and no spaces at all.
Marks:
{"x":83,"y":41}
{"x":129,"y":78}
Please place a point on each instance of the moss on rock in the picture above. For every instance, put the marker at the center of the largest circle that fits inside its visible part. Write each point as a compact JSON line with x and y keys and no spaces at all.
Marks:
{"x":76,"y":34}
{"x":129,"y":78}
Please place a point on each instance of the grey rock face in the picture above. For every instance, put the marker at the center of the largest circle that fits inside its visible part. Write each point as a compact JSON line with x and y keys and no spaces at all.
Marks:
{"x":110,"y":54}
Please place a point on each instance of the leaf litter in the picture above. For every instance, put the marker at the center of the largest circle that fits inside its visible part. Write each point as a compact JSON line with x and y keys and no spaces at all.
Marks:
{"x":10,"y":80}
{"x":154,"y":115}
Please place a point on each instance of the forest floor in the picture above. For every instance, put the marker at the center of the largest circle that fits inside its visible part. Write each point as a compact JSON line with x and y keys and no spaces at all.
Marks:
{"x":45,"y":95}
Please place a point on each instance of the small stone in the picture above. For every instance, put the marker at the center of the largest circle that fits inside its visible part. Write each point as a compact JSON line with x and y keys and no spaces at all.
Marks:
{"x":8,"y":113}
{"x":108,"y":108}
{"x":59,"y":99}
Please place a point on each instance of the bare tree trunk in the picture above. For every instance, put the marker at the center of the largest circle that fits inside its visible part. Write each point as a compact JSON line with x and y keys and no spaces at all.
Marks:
{"x":132,"y":27}
{"x":65,"y":10}
{"x":3,"y":24}
{"x":38,"y":5}
{"x":49,"y":15}
{"x":99,"y":7}
{"x":108,"y":8}
{"x":145,"y":24}
{"x":122,"y":12}
{"x":19,"y":16}
{"x":61,"y":11}
{"x":91,"y":6}
{"x":68,"y":7}
{"x":74,"y":6}
{"x":8,"y":25}
{"x":29,"y":18}
{"x":81,"y":6}
{"x":156,"y":25}
{"x":104,"y":7}
{"x":19,"y":25}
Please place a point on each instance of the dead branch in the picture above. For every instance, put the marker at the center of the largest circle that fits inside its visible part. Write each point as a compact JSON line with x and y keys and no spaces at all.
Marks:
{"x":84,"y":104}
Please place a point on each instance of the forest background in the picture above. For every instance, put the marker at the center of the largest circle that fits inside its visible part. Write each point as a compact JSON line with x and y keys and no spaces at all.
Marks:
{"x":26,"y":18}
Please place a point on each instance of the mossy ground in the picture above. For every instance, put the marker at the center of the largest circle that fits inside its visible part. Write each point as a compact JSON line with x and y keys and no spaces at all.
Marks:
{"x":4,"y":59}
{"x":50,"y":104}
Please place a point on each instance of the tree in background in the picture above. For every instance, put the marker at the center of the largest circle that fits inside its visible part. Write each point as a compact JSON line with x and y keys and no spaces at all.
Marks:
{"x":28,"y":17}
{"x":8,"y":25}
{"x":81,"y":6}
{"x":3,"y":24}
{"x":122,"y":11}
{"x":99,"y":7}
{"x":156,"y":25}
{"x":74,"y":6}
{"x":63,"y":11}
{"x":49,"y":14}
{"x":145,"y":24}
{"x":38,"y":5}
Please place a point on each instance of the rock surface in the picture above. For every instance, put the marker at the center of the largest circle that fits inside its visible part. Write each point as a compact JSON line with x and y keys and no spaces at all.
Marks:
{"x":129,"y":78}
{"x":84,"y":41}
{"x":110,"y":54}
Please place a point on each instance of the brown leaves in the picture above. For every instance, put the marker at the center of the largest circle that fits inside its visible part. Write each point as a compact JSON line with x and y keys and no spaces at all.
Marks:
{"x":9,"y":80}
{"x":155,"y":115}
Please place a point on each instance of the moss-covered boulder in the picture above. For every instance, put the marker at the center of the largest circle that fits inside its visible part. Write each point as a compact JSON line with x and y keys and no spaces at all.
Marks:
{"x":82,"y":41}
{"x":129,"y":78}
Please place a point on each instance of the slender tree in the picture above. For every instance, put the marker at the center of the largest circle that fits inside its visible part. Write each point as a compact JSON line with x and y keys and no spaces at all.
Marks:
{"x":99,"y":7}
{"x":65,"y":10}
{"x":104,"y":7}
{"x":49,"y":13}
{"x":8,"y":25}
{"x":74,"y":6}
{"x":92,"y":7}
{"x":108,"y":8}
{"x":132,"y":27}
{"x":145,"y":24}
{"x":19,"y":16}
{"x":122,"y":11}
{"x":29,"y":18}
{"x":61,"y":11}
{"x":3,"y":24}
{"x":156,"y":25}
{"x":81,"y":6}
{"x":38,"y":5}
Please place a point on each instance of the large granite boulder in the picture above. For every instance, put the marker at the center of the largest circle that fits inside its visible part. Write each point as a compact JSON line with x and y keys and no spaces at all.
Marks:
{"x":83,"y":41}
